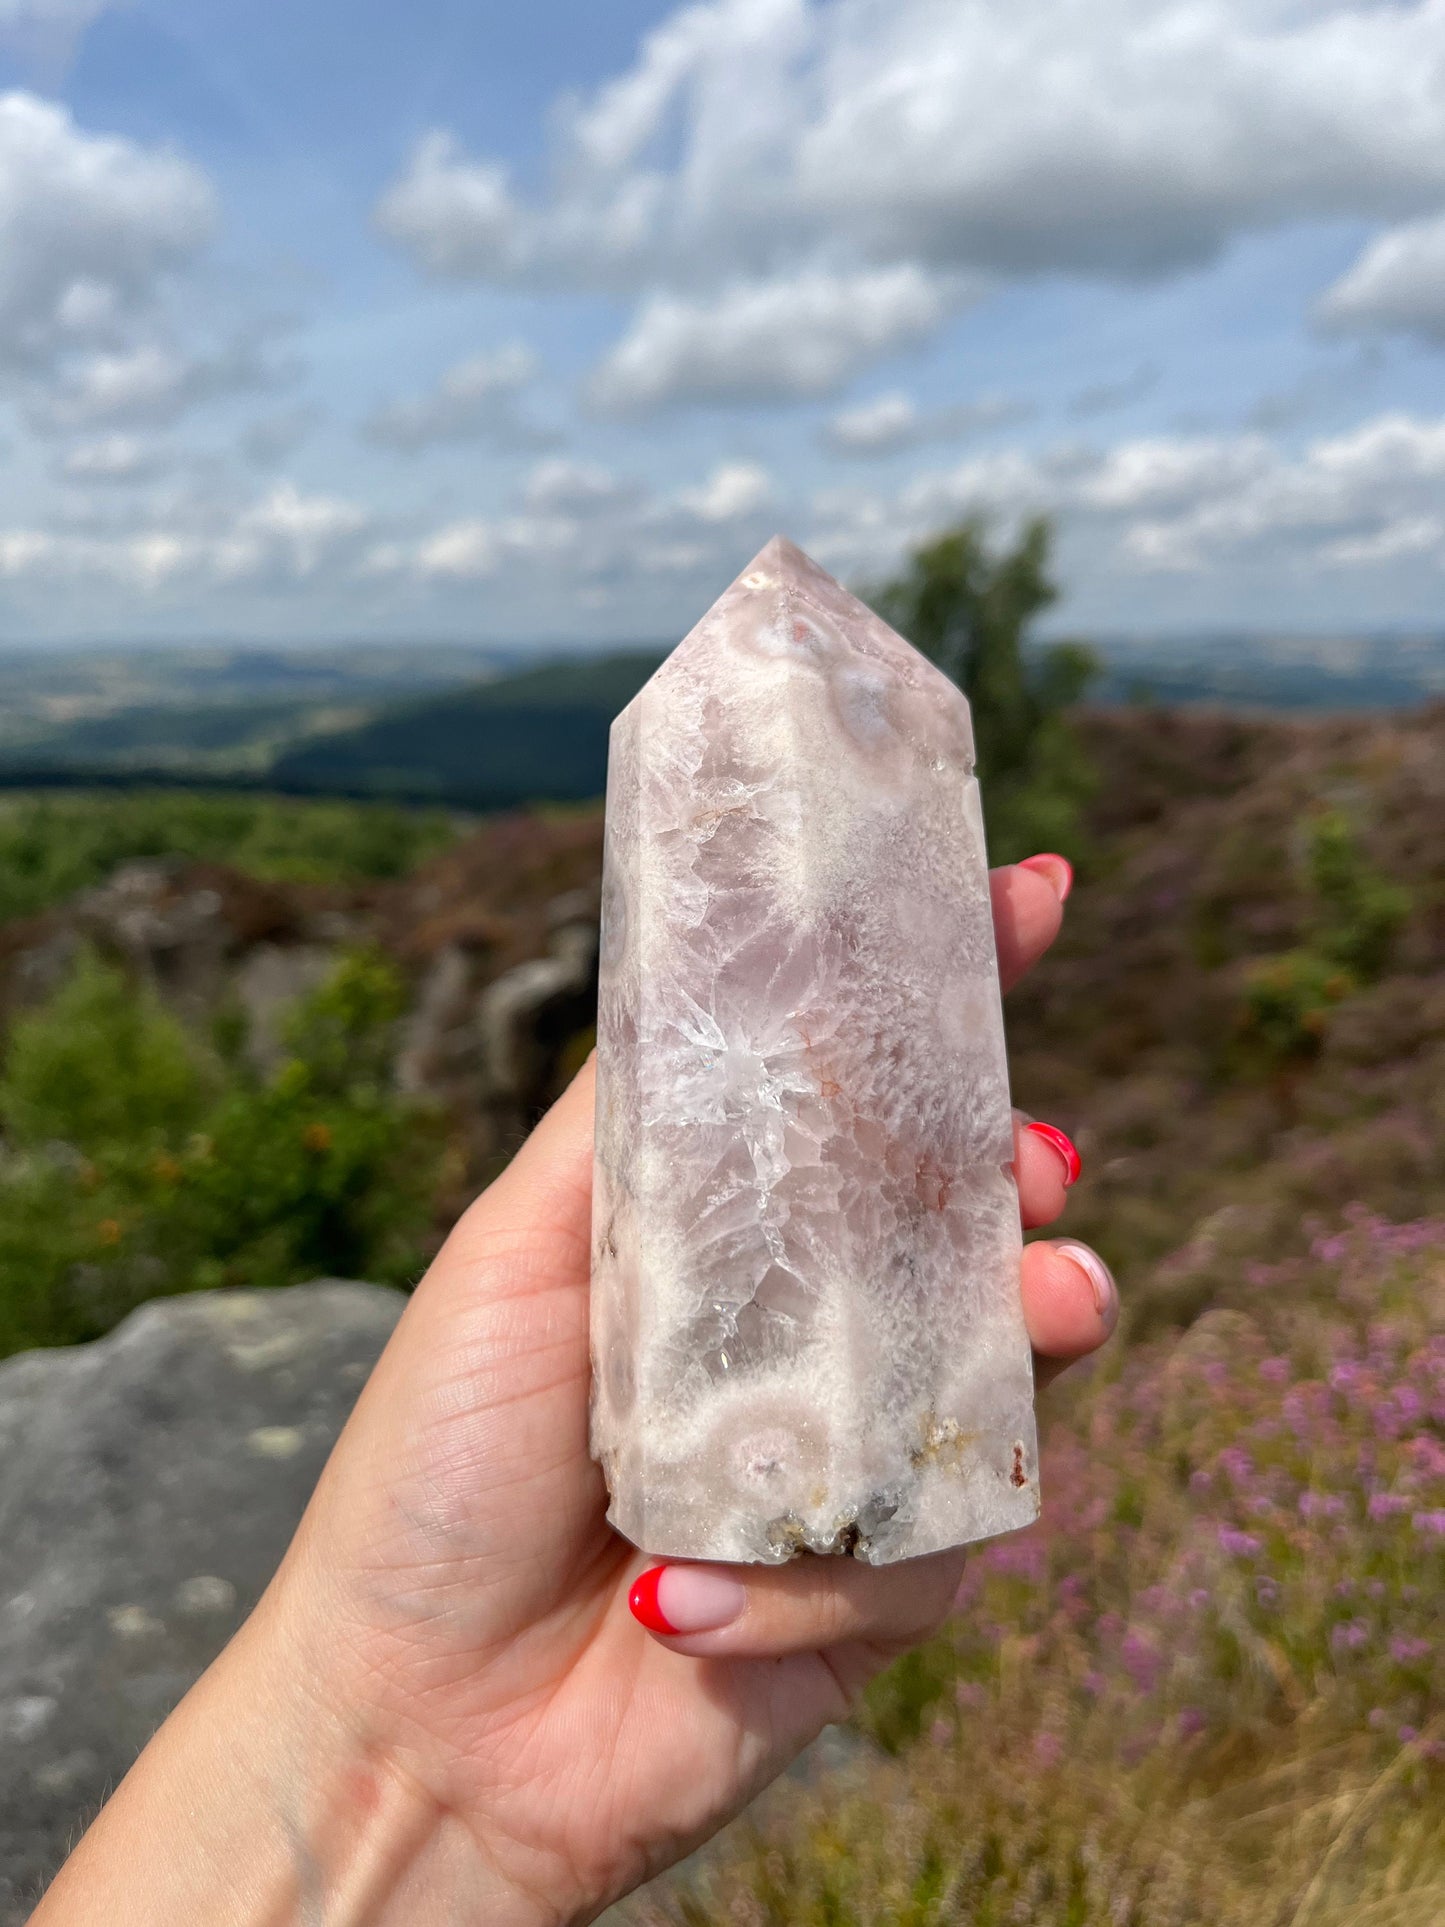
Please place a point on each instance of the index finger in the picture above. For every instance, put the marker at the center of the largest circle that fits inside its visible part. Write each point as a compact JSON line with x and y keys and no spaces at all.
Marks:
{"x":1028,"y":910}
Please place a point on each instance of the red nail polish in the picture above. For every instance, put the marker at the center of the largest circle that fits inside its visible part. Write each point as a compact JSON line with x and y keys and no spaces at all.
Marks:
{"x":642,"y":1601}
{"x":1061,"y":1142}
{"x":1056,"y":871}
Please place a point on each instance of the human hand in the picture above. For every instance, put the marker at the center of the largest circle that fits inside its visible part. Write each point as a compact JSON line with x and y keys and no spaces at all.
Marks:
{"x":444,"y":1708}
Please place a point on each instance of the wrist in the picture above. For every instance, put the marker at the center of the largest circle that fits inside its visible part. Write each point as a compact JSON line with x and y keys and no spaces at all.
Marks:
{"x":265,"y":1799}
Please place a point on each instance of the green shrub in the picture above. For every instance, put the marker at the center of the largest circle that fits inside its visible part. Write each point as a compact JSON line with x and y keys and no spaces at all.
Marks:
{"x":1358,"y":913}
{"x":136,"y":1163}
{"x":1288,"y":999}
{"x":53,"y":844}
{"x":318,"y":1168}
{"x":1353,"y":918}
{"x":101,"y":1064}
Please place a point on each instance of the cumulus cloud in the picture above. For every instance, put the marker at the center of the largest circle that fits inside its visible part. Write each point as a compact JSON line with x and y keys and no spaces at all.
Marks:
{"x":732,"y":492}
{"x":455,"y":216}
{"x":1184,"y":505}
{"x":476,"y":400}
{"x":564,"y":486}
{"x":1127,"y":138}
{"x":114,"y":458}
{"x":758,"y":160}
{"x":1398,"y":284}
{"x":1162,"y":523}
{"x":465,"y":551}
{"x":89,"y":227}
{"x":147,"y":383}
{"x":298,"y":530}
{"x":769,"y":340}
{"x":283,"y":539}
{"x":597,"y":533}
{"x":1182,"y":508}
{"x":887,"y":424}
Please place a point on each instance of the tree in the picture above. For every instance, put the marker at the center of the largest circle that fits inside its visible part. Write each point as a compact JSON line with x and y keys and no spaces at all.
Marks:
{"x":966,"y":603}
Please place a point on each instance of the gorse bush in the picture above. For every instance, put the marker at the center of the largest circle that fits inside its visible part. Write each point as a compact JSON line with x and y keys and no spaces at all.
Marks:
{"x":53,"y":844}
{"x":136,"y":1161}
{"x":966,"y":603}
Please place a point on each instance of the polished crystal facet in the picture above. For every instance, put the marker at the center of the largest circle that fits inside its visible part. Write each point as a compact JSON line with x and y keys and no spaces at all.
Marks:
{"x":806,"y":1323}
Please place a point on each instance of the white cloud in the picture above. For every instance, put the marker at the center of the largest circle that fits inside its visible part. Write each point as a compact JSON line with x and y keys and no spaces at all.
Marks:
{"x":889,"y":423}
{"x":277,"y":542}
{"x":1162,"y":473}
{"x":147,"y":383}
{"x":564,"y":486}
{"x":1129,"y":137}
{"x":768,"y":340}
{"x":1186,"y":505}
{"x":1154,"y":523}
{"x":1398,"y":283}
{"x":758,"y":172}
{"x":113,"y":458}
{"x":1410,"y":535}
{"x":732,"y":491}
{"x":89,"y":226}
{"x":455,"y":216}
{"x":475,"y":400}
{"x":465,"y":551}
{"x":302,"y":530}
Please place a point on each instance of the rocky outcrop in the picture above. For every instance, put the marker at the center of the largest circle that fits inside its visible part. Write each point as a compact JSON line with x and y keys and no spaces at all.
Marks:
{"x":496,"y":939}
{"x":149,"y":1484}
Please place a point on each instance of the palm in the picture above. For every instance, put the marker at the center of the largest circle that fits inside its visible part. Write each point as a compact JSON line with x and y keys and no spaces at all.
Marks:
{"x":486,"y":1593}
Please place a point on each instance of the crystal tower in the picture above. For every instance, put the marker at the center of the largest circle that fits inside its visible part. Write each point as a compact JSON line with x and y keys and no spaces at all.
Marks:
{"x":806,"y":1323}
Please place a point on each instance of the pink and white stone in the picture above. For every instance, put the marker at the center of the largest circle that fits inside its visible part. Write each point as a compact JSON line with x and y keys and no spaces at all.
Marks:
{"x":806,"y":1322}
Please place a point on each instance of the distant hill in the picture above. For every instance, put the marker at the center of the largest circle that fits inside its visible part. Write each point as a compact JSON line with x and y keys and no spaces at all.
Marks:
{"x":485,"y":728}
{"x":1261,"y":672}
{"x":538,"y":735}
{"x":209,"y":712}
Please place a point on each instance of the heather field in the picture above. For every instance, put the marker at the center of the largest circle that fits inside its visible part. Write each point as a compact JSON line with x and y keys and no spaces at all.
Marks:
{"x":1210,"y":1686}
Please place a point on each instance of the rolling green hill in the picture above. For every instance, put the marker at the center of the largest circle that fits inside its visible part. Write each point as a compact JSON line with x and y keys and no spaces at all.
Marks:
{"x":538,"y":735}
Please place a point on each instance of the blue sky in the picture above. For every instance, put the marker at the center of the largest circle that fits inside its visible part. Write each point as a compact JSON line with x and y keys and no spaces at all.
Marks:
{"x":322,"y":321}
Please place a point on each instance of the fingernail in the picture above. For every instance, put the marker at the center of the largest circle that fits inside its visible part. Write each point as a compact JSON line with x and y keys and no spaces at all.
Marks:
{"x":686,"y":1599}
{"x":1101,"y":1279}
{"x":1056,"y":870}
{"x":1061,"y":1142}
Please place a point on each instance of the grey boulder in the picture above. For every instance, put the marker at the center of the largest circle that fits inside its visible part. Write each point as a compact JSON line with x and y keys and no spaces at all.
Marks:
{"x":149,"y":1484}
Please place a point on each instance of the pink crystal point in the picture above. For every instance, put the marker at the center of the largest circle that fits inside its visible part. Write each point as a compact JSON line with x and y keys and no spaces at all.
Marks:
{"x":806,"y":1323}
